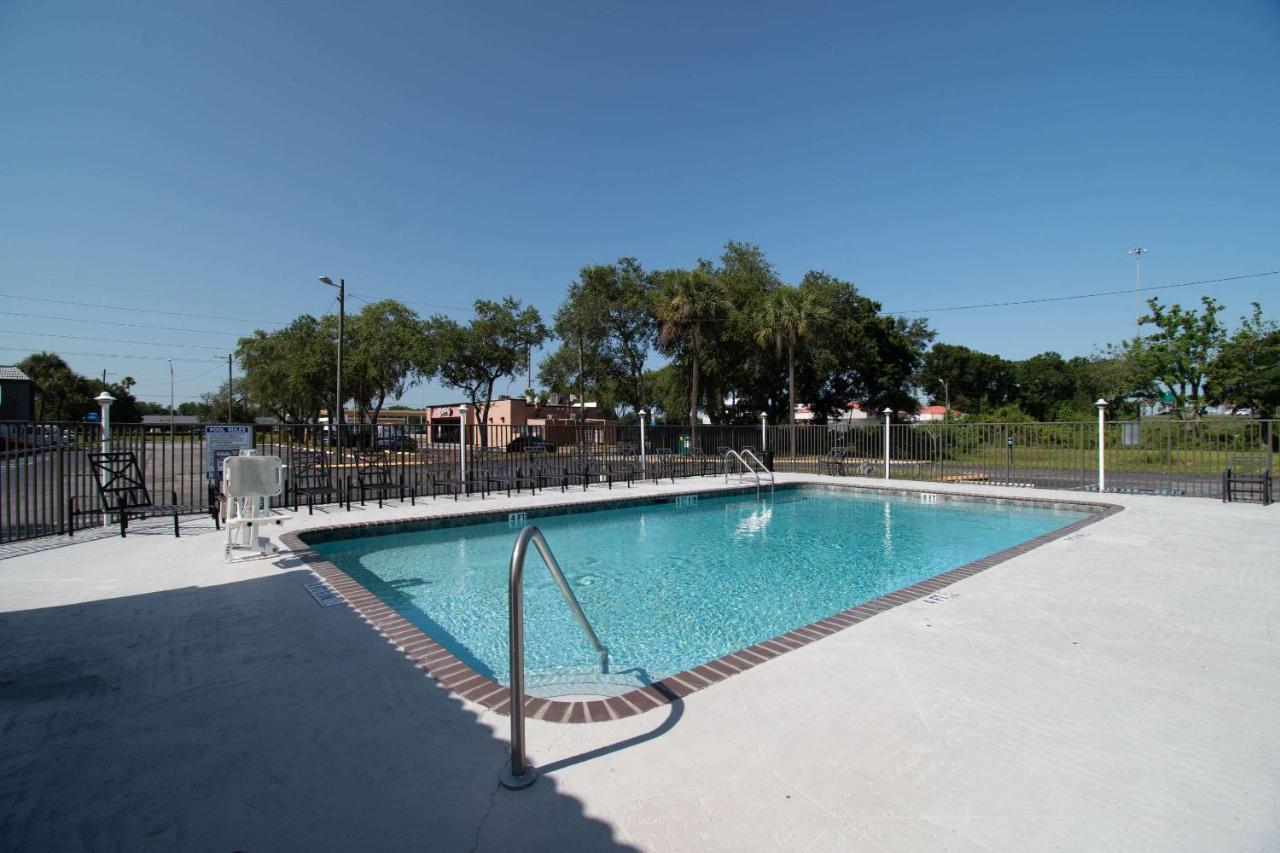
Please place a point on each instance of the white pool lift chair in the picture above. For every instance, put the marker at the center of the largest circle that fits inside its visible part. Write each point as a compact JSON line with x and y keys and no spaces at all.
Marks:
{"x":248,"y":485}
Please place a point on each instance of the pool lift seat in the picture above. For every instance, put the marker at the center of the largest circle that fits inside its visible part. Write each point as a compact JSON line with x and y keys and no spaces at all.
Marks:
{"x":248,"y":485}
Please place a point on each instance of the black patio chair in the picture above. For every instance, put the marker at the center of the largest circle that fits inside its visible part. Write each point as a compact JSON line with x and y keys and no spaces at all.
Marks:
{"x":835,"y":461}
{"x":508,"y":479}
{"x":311,"y":477}
{"x":373,"y":474}
{"x":122,"y":491}
{"x":698,"y":463}
{"x":446,"y":481}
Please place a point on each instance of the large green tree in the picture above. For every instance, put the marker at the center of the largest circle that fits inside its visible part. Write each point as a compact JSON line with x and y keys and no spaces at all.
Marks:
{"x":384,"y":358}
{"x":687,"y":301}
{"x":1246,"y":372}
{"x":977,"y":381}
{"x":473,"y":358}
{"x":788,"y":317}
{"x":608,"y":329}
{"x":1178,"y":352}
{"x":64,"y":395}
{"x":290,"y":372}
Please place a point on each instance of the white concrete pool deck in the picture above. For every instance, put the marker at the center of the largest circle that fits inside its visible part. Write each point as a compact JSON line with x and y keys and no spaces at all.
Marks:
{"x":1116,"y":690}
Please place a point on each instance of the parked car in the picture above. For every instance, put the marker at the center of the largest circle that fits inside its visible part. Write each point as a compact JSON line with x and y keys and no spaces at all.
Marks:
{"x":521,"y":443}
{"x":14,"y":437}
{"x":394,"y":437}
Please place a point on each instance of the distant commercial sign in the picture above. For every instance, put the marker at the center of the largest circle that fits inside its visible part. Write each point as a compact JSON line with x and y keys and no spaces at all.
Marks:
{"x":221,"y":441}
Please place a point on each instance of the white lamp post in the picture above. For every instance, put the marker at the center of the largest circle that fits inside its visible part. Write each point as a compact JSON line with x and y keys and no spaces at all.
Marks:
{"x":764,"y":433}
{"x":462,"y":444}
{"x":104,"y":401}
{"x":888,"y":415}
{"x":1102,"y":445}
{"x":643,"y":463}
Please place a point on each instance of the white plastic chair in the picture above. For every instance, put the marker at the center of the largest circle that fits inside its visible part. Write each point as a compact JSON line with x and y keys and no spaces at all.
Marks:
{"x":248,"y":485}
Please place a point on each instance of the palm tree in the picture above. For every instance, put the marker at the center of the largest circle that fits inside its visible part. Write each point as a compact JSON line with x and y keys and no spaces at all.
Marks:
{"x":787,"y":317}
{"x":686,"y":300}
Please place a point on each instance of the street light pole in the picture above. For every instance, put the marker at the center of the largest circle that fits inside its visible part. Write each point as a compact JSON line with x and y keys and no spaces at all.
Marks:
{"x":335,"y":418}
{"x":1137,"y":253}
{"x":946,"y":411}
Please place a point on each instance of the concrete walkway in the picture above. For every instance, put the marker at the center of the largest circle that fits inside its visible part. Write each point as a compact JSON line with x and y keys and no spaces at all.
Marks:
{"x":1117,"y":690}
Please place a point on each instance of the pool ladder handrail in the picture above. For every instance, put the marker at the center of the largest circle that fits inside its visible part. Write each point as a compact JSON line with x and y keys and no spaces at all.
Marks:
{"x":519,"y":773}
{"x":747,"y":468}
{"x":751,"y":456}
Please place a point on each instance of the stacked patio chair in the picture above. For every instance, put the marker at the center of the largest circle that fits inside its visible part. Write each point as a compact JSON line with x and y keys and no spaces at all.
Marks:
{"x":698,"y":463}
{"x":122,"y":491}
{"x":508,"y":479}
{"x":311,"y":477}
{"x":835,"y":461}
{"x":374,"y":475}
{"x":448,"y":482}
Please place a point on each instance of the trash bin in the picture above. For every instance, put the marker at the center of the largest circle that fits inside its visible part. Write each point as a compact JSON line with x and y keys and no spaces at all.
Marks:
{"x":682,"y":446}
{"x":768,"y":459}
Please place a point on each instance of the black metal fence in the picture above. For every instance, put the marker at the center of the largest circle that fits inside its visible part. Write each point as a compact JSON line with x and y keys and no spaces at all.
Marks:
{"x":43,"y":465}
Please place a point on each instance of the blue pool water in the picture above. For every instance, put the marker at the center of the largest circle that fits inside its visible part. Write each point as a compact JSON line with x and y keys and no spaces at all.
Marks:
{"x":668,"y":587}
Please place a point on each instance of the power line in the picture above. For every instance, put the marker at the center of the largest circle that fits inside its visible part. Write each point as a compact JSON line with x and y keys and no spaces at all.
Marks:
{"x":115,"y":355}
{"x":129,"y":308}
{"x":108,"y":340}
{"x":111,"y":323}
{"x":186,"y":296}
{"x":365,"y":298}
{"x":1081,"y":295}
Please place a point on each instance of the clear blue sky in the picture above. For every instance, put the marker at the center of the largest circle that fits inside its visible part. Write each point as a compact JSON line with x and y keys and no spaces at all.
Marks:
{"x":213,"y":158}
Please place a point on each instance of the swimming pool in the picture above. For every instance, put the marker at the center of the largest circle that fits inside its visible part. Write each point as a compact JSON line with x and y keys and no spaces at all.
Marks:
{"x":672,"y":585}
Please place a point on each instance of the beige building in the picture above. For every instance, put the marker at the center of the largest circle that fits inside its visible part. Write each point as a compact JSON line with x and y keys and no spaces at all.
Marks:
{"x":509,"y":417}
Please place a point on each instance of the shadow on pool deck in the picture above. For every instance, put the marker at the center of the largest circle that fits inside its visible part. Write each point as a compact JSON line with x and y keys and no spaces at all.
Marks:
{"x":244,"y":717}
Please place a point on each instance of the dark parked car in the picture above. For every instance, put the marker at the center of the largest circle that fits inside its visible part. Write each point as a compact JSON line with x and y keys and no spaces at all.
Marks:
{"x":521,"y":443}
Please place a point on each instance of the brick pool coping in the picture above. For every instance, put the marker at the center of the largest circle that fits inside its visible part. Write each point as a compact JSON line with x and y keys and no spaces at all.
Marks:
{"x":459,"y":677}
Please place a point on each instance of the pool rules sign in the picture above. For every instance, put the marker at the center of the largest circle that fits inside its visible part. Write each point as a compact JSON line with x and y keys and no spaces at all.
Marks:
{"x":221,"y":442}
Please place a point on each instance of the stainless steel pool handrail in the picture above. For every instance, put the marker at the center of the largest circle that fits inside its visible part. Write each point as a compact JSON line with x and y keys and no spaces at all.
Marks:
{"x":746,"y":467}
{"x":519,"y":773}
{"x":763,"y":468}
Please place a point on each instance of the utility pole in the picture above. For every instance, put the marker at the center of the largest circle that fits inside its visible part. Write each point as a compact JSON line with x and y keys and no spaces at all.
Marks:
{"x":229,"y":388}
{"x":1137,"y":253}
{"x":335,"y":417}
{"x":171,"y":400}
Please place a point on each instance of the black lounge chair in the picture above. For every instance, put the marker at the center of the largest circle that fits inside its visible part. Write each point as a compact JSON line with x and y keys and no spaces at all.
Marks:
{"x":123,"y":493}
{"x":1247,"y":475}
{"x":373,"y":474}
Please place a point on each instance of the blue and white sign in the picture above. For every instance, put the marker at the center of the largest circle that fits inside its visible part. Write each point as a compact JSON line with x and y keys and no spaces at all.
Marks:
{"x":221,"y":441}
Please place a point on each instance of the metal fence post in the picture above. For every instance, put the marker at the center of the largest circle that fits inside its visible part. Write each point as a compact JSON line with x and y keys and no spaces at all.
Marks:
{"x":888,"y":415}
{"x":1102,"y":445}
{"x":643,"y":459}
